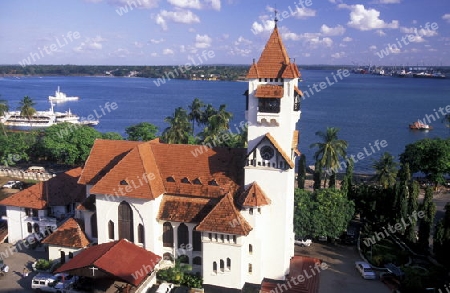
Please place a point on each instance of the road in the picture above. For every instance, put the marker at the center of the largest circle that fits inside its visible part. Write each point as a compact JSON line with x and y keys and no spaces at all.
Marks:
{"x":341,"y":276}
{"x":13,"y":281}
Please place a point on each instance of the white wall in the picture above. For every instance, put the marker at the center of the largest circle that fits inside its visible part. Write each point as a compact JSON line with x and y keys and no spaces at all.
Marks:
{"x":213,"y":251}
{"x":54,"y":252}
{"x":17,"y":230}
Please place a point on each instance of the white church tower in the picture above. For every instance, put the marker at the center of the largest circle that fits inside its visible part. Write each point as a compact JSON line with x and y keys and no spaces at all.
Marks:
{"x":273,"y":110}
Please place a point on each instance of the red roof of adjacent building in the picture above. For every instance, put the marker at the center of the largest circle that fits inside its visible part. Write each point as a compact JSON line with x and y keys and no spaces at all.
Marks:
{"x":69,"y":234}
{"x":301,"y":268}
{"x":185,"y":209}
{"x":61,"y":190}
{"x":274,"y":61}
{"x":120,"y":259}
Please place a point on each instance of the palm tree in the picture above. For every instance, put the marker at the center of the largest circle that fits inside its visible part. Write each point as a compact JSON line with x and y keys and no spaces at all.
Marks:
{"x":179,"y":129}
{"x":330,"y":149}
{"x":26,"y":107}
{"x":386,"y":170}
{"x":209,"y":111}
{"x":196,"y":113}
{"x":216,"y":126}
{"x":3,"y":109}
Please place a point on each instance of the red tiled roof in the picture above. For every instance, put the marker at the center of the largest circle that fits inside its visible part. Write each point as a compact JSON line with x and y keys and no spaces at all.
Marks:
{"x":137,"y":174}
{"x":253,"y":196}
{"x":269,"y":91}
{"x":185,"y":209}
{"x":57,"y":191}
{"x":104,"y":155}
{"x":300,"y":266}
{"x":120,"y":259}
{"x":225,"y":218}
{"x":274,"y":61}
{"x":69,"y":234}
{"x":172,"y":169}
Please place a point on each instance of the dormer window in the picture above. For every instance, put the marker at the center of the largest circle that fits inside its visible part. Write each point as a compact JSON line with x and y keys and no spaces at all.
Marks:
{"x":185,"y":180}
{"x":197,"y":181}
{"x":123,"y":182}
{"x":170,"y":179}
{"x":213,"y":182}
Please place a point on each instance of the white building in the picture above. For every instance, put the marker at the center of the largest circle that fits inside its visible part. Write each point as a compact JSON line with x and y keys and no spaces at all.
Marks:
{"x":38,"y":210}
{"x":227,"y":212}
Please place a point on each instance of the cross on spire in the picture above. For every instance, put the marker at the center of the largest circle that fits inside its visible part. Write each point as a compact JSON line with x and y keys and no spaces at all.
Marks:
{"x":276,"y":16}
{"x":93,"y":270}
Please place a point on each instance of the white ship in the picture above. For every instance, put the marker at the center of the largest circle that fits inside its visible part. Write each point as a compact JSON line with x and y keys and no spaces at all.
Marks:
{"x":43,"y":119}
{"x":61,"y":97}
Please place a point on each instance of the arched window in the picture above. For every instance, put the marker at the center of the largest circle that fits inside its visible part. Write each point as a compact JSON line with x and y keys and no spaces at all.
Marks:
{"x":29,"y":227}
{"x":196,"y":240}
{"x":125,"y":221}
{"x":228,"y":264}
{"x":250,"y":249}
{"x":167,"y":235}
{"x":94,"y":225}
{"x":183,"y":235}
{"x":141,"y":233}
{"x":111,"y":229}
{"x":197,"y":261}
{"x":215,"y":267}
{"x":222,"y":265}
{"x":36,"y":228}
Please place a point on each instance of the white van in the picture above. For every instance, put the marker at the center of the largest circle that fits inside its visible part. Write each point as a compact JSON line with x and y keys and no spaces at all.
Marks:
{"x":44,"y":282}
{"x":35,"y":169}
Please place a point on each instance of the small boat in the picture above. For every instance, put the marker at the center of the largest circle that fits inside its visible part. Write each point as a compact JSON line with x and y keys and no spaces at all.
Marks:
{"x":61,"y":97}
{"x":420,"y":126}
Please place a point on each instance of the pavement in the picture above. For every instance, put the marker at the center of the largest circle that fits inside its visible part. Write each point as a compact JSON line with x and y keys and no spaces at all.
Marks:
{"x":17,"y":261}
{"x":341,"y":275}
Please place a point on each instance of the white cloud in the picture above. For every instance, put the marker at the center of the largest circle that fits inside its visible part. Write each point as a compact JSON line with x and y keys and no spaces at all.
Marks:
{"x":196,"y":4}
{"x":303,"y":13}
{"x":168,"y":52}
{"x":154,"y":54}
{"x":380,"y":33}
{"x":373,"y":47}
{"x":202,"y":42}
{"x":90,"y":44}
{"x":332,"y":31}
{"x":318,"y":42}
{"x":143,"y":4}
{"x":366,"y":19}
{"x":138,"y":44}
{"x":182,"y":48}
{"x":306,"y":54}
{"x":389,"y":1}
{"x":347,"y":39}
{"x":266,"y":25}
{"x":446,"y":17}
{"x":179,"y":16}
{"x":153,"y":41}
{"x":241,"y":40}
{"x":338,"y":55}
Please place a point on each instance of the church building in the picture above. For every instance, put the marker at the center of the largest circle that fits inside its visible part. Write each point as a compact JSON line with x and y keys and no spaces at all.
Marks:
{"x":227,"y":212}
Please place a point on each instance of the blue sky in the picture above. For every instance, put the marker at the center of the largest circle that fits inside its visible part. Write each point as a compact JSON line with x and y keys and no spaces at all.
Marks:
{"x":175,"y":32}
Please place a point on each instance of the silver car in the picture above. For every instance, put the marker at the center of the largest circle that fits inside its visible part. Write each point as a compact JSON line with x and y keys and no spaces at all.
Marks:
{"x":365,"y":270}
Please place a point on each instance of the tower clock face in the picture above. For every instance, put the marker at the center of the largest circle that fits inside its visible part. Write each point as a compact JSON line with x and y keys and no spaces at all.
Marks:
{"x":267,"y":152}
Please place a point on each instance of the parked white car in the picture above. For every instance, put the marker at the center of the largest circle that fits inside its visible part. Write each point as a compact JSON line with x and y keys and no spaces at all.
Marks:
{"x":365,"y":270}
{"x":303,"y":242}
{"x":10,"y":184}
{"x":165,"y":288}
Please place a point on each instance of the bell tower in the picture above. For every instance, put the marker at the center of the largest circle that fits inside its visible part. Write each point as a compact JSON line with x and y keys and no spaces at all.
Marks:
{"x":272,"y":112}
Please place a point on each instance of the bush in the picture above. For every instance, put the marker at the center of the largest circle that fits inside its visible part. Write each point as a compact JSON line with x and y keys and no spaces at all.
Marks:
{"x":43,"y":264}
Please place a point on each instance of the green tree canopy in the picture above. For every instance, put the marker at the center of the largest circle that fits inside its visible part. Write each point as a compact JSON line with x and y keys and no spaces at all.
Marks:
{"x":324,"y":212}
{"x":430,"y":156}
{"x":16,"y":147}
{"x":68,"y":143}
{"x":112,"y":136}
{"x":3,"y":109}
{"x":143,"y":131}
{"x":196,"y":113}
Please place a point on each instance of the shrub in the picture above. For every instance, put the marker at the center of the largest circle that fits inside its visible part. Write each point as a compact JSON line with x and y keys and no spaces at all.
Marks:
{"x":43,"y":264}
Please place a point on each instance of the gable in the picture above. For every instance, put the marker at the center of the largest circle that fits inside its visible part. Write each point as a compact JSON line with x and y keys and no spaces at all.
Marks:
{"x":269,"y":140}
